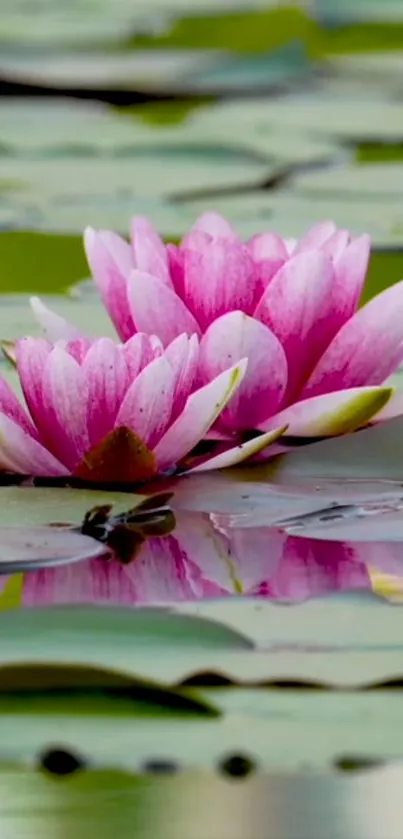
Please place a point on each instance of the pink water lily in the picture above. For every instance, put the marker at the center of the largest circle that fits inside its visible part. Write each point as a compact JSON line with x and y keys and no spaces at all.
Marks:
{"x":316,"y":362}
{"x":111,"y":413}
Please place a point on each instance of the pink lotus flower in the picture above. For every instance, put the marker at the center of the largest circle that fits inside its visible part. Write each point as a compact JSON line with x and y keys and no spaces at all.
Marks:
{"x":103,"y":412}
{"x":315,"y":363}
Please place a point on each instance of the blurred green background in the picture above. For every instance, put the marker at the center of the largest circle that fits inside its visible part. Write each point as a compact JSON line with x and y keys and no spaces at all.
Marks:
{"x":277,"y":114}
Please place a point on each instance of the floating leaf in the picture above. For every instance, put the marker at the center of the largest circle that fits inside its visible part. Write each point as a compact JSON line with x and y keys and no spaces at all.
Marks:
{"x":23,"y":549}
{"x":51,"y":505}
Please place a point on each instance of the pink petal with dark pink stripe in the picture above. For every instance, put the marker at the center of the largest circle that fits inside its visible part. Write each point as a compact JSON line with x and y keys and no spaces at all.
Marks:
{"x":297,"y":307}
{"x":157,"y":310}
{"x":107,"y":379}
{"x":366,"y":350}
{"x":149,"y":252}
{"x":110,"y":265}
{"x":227,"y":340}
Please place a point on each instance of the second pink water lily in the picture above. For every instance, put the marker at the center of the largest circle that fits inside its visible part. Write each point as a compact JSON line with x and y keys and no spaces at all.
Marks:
{"x":112,"y":413}
{"x":316,"y":362}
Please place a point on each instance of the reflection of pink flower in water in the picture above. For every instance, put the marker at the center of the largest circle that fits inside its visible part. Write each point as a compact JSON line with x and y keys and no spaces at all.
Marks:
{"x":197,"y":561}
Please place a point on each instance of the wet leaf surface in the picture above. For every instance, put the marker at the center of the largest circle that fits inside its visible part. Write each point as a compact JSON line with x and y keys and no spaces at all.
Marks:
{"x":31,"y":548}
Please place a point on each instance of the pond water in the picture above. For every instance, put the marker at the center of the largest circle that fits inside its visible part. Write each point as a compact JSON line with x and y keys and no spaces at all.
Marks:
{"x":250,"y":618}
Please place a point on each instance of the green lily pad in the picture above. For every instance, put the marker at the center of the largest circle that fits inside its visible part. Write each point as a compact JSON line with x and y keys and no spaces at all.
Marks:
{"x":249,"y":122}
{"x":177,"y":70}
{"x":381,"y":70}
{"x":374,"y":453}
{"x":144,"y":70}
{"x":276,"y":729}
{"x":237,"y":639}
{"x":243,"y":30}
{"x":41,"y":505}
{"x":367,"y":182}
{"x":85,"y":311}
{"x":66,"y":194}
{"x":340,"y":111}
{"x":26,"y":549}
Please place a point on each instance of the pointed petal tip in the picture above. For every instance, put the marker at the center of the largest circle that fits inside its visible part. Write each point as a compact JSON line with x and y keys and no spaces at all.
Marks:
{"x":89,"y":235}
{"x":240,"y":454}
{"x":333,"y":414}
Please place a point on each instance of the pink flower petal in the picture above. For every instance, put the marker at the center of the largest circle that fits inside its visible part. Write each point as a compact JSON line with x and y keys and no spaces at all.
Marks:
{"x":10,"y":406}
{"x":330,"y":414}
{"x":350,"y":271}
{"x":336,"y":244}
{"x":196,"y":240}
{"x":160,"y":573}
{"x":290,"y":245}
{"x":147,"y":406}
{"x":214,"y":225}
{"x":77,"y":349}
{"x":220,"y":278}
{"x":366,"y":350}
{"x":107,"y":379}
{"x":183,"y":355}
{"x":264,"y":273}
{"x":32,"y":355}
{"x":54,"y":327}
{"x":137,"y":352}
{"x":227,"y":340}
{"x":256,"y":554}
{"x":240,"y":454}
{"x":310,"y":568}
{"x":267,"y":246}
{"x":21,"y":453}
{"x":200,"y":413}
{"x":157,"y":309}
{"x":208,"y":559}
{"x":110,"y":265}
{"x":94,"y":581}
{"x":176,"y":268}
{"x":65,"y":401}
{"x":297,"y":307}
{"x":119,"y":250}
{"x":316,"y":237}
{"x":149,"y":250}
